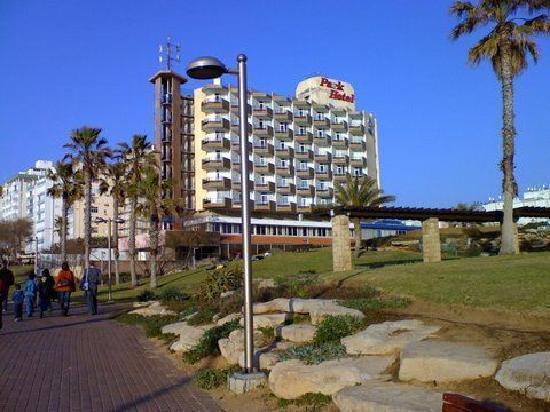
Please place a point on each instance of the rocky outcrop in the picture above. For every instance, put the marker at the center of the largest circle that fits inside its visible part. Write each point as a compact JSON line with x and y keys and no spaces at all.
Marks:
{"x":293,"y":379}
{"x":441,"y":361}
{"x":388,"y":337}
{"x":299,"y":333}
{"x":267,"y":321}
{"x":228,"y":318}
{"x":189,"y":336}
{"x":232,"y":348}
{"x":528,"y":374}
{"x":387,"y":397}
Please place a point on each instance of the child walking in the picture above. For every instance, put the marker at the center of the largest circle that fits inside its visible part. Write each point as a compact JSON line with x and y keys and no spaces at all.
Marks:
{"x":44,"y":293}
{"x":18,"y":298}
{"x":29,"y":291}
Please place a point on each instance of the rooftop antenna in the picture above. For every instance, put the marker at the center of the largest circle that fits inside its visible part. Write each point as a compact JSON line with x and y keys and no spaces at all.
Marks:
{"x":169,"y":52}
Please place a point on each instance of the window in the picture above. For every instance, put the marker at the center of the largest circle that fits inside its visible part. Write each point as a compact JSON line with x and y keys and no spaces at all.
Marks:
{"x":93,"y":209}
{"x":283,"y":127}
{"x":339,"y":170}
{"x":302,"y":131}
{"x":302,"y":147}
{"x":262,"y":179}
{"x":357,"y":171}
{"x":264,"y":197}
{"x":320,"y":132}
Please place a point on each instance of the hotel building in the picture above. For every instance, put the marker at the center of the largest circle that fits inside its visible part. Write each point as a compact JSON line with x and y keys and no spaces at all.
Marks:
{"x":300,"y":147}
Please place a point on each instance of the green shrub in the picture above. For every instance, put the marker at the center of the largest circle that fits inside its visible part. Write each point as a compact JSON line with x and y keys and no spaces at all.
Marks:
{"x":374,"y":304}
{"x":333,"y":328}
{"x":311,"y":401}
{"x":314,"y":353}
{"x":203,"y":316}
{"x":172,"y":294}
{"x":146,"y":296}
{"x":152,"y":325}
{"x":208,"y":345}
{"x":219,"y":281}
{"x":213,"y":378}
{"x":267,"y":332}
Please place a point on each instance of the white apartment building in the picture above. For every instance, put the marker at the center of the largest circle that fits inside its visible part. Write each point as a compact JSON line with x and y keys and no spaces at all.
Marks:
{"x":533,"y":197}
{"x":25,"y":196}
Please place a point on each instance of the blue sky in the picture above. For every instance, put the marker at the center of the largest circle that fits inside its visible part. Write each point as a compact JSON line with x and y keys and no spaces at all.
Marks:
{"x":71,"y":63}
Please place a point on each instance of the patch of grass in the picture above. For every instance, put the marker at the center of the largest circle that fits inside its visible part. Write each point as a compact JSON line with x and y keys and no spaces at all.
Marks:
{"x":208,"y":345}
{"x":152,"y":325}
{"x":375,"y":304}
{"x":311,"y":401}
{"x":209,"y":379}
{"x":334,"y":328}
{"x":314,"y":353}
{"x":269,"y":333}
{"x":204,"y":316}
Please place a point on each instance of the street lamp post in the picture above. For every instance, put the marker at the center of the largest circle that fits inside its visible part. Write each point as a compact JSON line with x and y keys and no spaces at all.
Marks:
{"x":109,"y":222}
{"x":212,"y":68}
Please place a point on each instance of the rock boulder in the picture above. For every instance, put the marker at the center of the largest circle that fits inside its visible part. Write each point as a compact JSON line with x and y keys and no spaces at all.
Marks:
{"x":528,"y":374}
{"x":299,"y":333}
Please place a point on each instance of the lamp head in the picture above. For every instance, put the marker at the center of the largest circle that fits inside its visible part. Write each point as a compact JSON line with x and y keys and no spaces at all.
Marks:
{"x":206,"y":67}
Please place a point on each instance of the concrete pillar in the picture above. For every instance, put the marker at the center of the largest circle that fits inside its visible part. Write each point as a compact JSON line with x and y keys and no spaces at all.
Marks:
{"x":341,"y":249}
{"x":431,"y":243}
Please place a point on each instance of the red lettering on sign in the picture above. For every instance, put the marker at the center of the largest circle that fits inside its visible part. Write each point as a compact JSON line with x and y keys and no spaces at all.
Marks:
{"x":334,"y":93}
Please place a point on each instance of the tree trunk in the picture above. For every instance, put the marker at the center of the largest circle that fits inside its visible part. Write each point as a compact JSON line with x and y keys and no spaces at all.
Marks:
{"x":153,"y":248}
{"x":87,"y":216}
{"x":115,"y":237}
{"x":63,"y":234}
{"x":357,"y":236}
{"x":132,"y":240}
{"x":509,"y":186}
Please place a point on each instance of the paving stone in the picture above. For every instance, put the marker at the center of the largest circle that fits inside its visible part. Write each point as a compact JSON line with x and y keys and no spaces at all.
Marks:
{"x":388,"y":337}
{"x":442,"y":361}
{"x":387,"y":397}
{"x":528,"y":374}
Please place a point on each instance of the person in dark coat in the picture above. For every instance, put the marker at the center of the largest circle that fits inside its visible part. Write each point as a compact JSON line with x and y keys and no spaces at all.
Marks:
{"x":92,"y":278}
{"x":45,"y":288}
{"x":7,"y":280}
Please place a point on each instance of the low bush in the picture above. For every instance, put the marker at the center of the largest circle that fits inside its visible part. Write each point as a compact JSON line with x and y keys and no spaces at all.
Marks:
{"x":220,"y":280}
{"x":333,"y":328}
{"x":204,"y":316}
{"x":209,"y":379}
{"x":314,"y":353}
{"x":311,"y":401}
{"x":267,"y":332}
{"x":146,"y":296}
{"x":208,"y":345}
{"x":152,"y":325}
{"x":172,"y":294}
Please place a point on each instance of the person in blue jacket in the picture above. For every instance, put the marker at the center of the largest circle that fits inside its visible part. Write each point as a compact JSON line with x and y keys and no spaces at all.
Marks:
{"x":18,"y":299}
{"x":30,"y":289}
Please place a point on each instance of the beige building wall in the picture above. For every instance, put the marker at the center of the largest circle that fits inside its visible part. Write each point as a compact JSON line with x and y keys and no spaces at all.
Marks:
{"x":102,"y":206}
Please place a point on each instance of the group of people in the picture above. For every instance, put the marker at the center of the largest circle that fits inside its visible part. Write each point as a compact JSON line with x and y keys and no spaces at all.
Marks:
{"x":40,"y":292}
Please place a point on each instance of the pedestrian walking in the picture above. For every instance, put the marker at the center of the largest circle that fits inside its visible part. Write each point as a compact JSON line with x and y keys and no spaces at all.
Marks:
{"x":50,"y":282}
{"x":18,"y":299}
{"x":44,"y":293}
{"x":30,"y":289}
{"x":92,"y":278}
{"x":3,"y":295}
{"x":64,"y":284}
{"x":7,"y":280}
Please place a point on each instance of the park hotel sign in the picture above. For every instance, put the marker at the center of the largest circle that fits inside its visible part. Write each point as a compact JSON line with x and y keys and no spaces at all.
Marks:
{"x":324,"y":90}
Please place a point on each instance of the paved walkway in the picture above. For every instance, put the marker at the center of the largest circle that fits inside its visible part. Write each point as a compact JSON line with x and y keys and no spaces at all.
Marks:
{"x":89,"y":363}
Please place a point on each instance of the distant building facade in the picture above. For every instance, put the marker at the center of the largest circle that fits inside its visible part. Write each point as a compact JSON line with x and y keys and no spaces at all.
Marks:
{"x":532,"y":197}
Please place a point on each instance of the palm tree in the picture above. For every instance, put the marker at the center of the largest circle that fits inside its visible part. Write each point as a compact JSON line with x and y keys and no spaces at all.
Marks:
{"x":115,"y":185}
{"x":360,"y":192}
{"x":66,"y":186}
{"x":136,"y":156}
{"x":506,"y":46}
{"x":89,"y":151}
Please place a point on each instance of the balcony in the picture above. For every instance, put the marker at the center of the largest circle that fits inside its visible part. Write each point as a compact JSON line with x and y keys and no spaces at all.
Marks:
{"x":285,"y":153}
{"x":308,"y":191}
{"x":236,"y":184}
{"x":264,"y":131}
{"x":361,"y":162}
{"x":322,"y":141}
{"x":302,"y":119}
{"x":212,"y":125}
{"x":262,"y":113}
{"x":215,"y":143}
{"x":286,"y":208}
{"x":323,"y":175}
{"x":305,"y":173}
{"x":236,"y":144}
{"x":235,"y":128}
{"x":323,"y":157}
{"x":340,"y":177}
{"x":217,"y":203}
{"x":285,"y":134}
{"x":215,"y":106}
{"x":264,"y":187}
{"x":283,"y":115}
{"x":287,"y":170}
{"x":303,"y":137}
{"x":166,"y":156}
{"x":326,"y":192}
{"x":357,"y":145}
{"x":340,"y":143}
{"x":268,"y":168}
{"x":339,"y":125}
{"x":214,"y":88}
{"x":356,"y":129}
{"x":221,"y":163}
{"x":321,"y":122}
{"x":304,"y":155}
{"x":264,"y":149}
{"x":304,"y":209}
{"x":340,"y":160}
{"x":236,"y":165}
{"x":301,"y":104}
{"x":288,"y":188}
{"x":235,"y":108}
{"x":222,"y":183}
{"x":264,"y":206}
